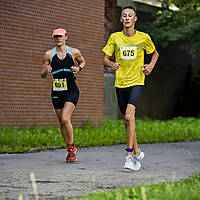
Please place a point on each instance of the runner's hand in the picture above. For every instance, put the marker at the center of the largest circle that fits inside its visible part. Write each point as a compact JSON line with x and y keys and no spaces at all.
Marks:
{"x":75,"y":70}
{"x":115,"y":66}
{"x":48,"y":69}
{"x":147,"y":69}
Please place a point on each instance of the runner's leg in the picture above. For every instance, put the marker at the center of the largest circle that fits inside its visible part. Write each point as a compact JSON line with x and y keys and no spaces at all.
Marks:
{"x":66,"y":121}
{"x":62,"y":127}
{"x":64,"y":117}
{"x":129,"y":119}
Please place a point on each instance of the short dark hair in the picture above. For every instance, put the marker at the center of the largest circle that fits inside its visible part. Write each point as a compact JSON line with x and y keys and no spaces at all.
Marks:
{"x":129,"y":7}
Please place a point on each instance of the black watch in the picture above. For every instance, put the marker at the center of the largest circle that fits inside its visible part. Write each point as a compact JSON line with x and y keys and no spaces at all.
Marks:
{"x":80,"y":68}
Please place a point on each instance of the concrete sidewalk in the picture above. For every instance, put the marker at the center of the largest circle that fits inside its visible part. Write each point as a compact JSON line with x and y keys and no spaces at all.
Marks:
{"x":98,"y":169}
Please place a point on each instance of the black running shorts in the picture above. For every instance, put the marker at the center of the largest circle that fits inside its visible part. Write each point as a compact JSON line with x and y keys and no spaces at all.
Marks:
{"x":129,"y":95}
{"x":59,"y":100}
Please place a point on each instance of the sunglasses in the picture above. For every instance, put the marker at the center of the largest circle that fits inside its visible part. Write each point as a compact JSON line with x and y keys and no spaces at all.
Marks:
{"x":57,"y":36}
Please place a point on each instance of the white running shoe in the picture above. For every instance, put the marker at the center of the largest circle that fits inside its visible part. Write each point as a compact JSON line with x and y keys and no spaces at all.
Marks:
{"x":129,"y":162}
{"x":137,"y":161}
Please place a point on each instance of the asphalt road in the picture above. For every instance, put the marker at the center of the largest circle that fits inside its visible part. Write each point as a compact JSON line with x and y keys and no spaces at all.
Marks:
{"x":98,"y":169}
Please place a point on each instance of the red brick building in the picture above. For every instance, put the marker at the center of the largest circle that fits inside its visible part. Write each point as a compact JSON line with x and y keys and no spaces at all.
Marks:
{"x":25,"y":34}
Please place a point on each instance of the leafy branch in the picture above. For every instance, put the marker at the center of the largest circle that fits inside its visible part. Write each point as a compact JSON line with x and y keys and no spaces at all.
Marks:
{"x":182,"y":25}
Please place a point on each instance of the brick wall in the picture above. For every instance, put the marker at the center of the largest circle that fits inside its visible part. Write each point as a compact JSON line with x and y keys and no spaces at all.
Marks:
{"x":25,"y":35}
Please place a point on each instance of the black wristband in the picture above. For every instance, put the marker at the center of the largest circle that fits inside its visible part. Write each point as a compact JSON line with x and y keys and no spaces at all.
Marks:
{"x":80,"y":68}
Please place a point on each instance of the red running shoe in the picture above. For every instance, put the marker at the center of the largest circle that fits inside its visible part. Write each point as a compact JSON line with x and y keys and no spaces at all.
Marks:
{"x":71,"y":157}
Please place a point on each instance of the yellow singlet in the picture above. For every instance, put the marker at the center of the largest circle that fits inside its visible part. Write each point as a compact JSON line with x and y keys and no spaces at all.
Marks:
{"x":129,"y":51}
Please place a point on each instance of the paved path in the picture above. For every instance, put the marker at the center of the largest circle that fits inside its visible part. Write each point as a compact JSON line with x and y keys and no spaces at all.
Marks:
{"x":98,"y":169}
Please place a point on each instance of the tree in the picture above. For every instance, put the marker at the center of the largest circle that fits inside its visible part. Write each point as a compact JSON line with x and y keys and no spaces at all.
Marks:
{"x":182,"y":25}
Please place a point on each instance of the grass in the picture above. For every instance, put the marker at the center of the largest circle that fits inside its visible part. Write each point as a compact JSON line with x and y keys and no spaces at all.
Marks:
{"x":16,"y":140}
{"x":187,"y":189}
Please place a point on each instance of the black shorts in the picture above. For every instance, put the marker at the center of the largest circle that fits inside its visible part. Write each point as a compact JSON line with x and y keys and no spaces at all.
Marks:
{"x":129,"y":95}
{"x":59,"y":99}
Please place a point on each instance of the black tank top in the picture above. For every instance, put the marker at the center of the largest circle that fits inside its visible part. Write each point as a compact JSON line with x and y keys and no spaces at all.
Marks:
{"x":63,"y":78}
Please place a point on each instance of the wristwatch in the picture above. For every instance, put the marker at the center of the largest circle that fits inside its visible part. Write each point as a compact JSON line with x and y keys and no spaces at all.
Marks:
{"x":80,"y":68}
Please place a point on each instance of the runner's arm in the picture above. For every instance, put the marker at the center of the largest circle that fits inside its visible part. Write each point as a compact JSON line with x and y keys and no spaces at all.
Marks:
{"x":46,"y":68}
{"x":107,"y":62}
{"x":80,"y":59}
{"x":149,"y":67}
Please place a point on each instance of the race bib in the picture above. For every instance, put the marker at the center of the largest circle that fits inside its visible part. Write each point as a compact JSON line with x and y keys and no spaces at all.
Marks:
{"x":59,"y":84}
{"x":128,"y":53}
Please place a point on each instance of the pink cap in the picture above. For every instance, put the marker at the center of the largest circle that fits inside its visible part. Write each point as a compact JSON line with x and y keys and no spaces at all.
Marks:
{"x":59,"y":31}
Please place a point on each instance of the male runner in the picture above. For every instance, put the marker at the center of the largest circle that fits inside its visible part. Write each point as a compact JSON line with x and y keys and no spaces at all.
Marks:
{"x":129,"y":46}
{"x":60,"y":62}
